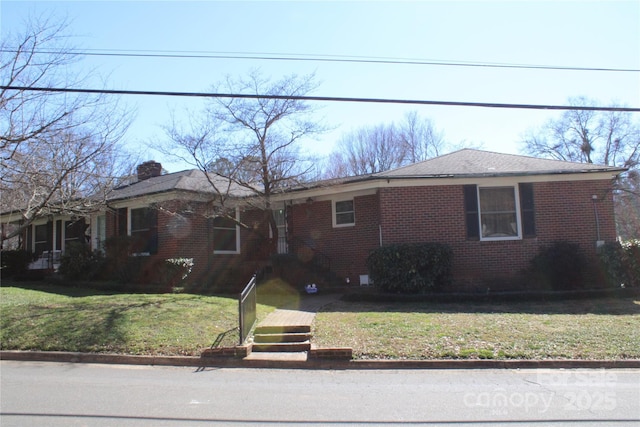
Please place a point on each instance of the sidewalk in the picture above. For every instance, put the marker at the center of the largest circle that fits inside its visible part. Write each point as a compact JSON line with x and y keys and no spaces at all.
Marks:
{"x":300,"y":313}
{"x":297,"y":316}
{"x":229,"y":362}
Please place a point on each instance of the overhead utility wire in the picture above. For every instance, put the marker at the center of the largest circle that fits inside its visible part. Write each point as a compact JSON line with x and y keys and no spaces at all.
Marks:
{"x":326,"y":58}
{"x":322,"y":98}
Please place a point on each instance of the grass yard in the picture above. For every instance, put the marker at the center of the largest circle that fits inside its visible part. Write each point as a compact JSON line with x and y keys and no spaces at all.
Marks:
{"x":52,"y":318}
{"x":70,"y":319}
{"x":580,"y":329}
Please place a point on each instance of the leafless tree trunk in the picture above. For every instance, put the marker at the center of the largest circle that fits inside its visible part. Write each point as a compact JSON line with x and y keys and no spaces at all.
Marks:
{"x":373,"y":149}
{"x":422,"y":139}
{"x":253,"y":143}
{"x":59,"y":152}
{"x":369,"y":150}
{"x":609,"y":138}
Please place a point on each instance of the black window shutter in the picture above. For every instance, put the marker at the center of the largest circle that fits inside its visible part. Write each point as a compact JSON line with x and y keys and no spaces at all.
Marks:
{"x":122,"y":222}
{"x":471,"y":212}
{"x":29,"y":243}
{"x":58,"y":235}
{"x":49,"y":246}
{"x":527,"y":210}
{"x":153,"y":230}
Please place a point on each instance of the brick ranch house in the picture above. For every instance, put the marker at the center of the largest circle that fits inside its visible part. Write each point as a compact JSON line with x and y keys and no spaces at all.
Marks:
{"x":496,"y":211}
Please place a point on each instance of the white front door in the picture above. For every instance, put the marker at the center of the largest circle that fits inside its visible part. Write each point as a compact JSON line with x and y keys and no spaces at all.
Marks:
{"x":281,"y":223}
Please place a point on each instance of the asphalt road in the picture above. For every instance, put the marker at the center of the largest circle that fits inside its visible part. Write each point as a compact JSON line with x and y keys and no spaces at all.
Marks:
{"x":67,"y":394}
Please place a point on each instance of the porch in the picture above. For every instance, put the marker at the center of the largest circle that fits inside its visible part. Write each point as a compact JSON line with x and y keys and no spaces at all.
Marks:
{"x":47,"y":260}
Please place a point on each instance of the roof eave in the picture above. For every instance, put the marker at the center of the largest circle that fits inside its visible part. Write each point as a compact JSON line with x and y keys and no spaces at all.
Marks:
{"x":615,"y":171}
{"x":155,"y":193}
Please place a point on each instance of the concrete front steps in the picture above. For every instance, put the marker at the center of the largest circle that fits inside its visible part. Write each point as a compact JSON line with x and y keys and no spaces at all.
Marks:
{"x":282,"y":339}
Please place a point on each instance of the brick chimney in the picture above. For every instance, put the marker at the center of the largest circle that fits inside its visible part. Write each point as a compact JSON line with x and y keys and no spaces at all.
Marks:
{"x":149,"y":169}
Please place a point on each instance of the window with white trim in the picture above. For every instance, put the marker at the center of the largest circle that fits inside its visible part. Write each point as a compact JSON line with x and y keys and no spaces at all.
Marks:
{"x":101,"y":232}
{"x":500,"y":212}
{"x":73,"y":232}
{"x":344,"y":214}
{"x":41,"y":238}
{"x":144,"y":230}
{"x":226,"y":234}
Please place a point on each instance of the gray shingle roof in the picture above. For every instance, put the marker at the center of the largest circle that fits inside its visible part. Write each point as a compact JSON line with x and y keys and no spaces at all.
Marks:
{"x":470,"y":162}
{"x":192,"y":180}
{"x":463,"y":163}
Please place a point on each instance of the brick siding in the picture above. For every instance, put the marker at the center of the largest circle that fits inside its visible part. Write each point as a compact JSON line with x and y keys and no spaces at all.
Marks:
{"x":564,"y":211}
{"x":187,"y":233}
{"x":347,"y":247}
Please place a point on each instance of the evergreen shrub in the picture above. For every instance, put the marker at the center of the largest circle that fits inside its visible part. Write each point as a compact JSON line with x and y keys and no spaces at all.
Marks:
{"x":621,"y":263}
{"x":560,"y":267}
{"x":78,"y":262}
{"x":411,"y":268}
{"x":15,"y":262}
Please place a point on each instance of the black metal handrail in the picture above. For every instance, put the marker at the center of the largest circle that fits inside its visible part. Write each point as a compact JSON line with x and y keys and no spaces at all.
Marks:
{"x":247,"y":303}
{"x":318,"y":258}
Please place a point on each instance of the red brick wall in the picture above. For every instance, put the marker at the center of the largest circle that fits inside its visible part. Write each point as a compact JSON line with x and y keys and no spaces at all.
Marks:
{"x":347,"y":247}
{"x":567,"y":209}
{"x":564,"y":212}
{"x":189,"y":235}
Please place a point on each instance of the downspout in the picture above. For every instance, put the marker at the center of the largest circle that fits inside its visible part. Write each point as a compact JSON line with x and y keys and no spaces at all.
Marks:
{"x":599,"y":242}
{"x":380,"y":215}
{"x":288,"y":224}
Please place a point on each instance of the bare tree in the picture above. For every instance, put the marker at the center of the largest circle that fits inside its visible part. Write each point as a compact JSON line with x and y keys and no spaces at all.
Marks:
{"x":609,"y":138}
{"x":38,"y":56}
{"x":373,"y":149}
{"x":335,"y":166}
{"x":627,"y":206}
{"x":253,"y":142}
{"x":421,"y":138}
{"x":59,"y":152}
{"x":368,"y":150}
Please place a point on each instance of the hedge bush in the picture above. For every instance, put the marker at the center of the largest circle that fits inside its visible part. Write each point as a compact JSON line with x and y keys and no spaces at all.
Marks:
{"x":621,"y":263}
{"x":79,"y":263}
{"x":411,"y":268}
{"x":119,"y":265}
{"x":560,"y":267}
{"x":15,"y":262}
{"x":175,"y":272}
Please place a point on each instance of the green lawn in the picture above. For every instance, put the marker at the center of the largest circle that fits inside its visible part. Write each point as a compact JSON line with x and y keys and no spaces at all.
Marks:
{"x":585,"y":329}
{"x":71,"y":319}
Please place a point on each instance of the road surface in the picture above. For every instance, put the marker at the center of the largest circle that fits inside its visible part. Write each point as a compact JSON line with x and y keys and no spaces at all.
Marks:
{"x":67,"y":394}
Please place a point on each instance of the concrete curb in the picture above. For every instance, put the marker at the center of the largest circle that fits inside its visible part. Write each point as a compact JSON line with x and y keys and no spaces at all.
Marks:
{"x":232,"y":362}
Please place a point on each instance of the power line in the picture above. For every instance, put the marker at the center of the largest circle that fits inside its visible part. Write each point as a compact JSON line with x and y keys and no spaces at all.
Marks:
{"x":322,"y":98}
{"x":321,"y":58}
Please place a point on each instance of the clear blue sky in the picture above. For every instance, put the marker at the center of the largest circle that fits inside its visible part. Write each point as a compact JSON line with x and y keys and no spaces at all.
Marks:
{"x":595,"y":34}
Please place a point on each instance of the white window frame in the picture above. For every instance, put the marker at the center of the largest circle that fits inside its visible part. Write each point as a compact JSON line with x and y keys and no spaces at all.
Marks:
{"x":237,"y":251}
{"x":63,"y":233}
{"x":12,"y":243}
{"x":98,"y":233}
{"x":129,"y":229}
{"x":33,"y":235}
{"x":516,"y":196}
{"x":334,"y":213}
{"x":280,"y":217}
